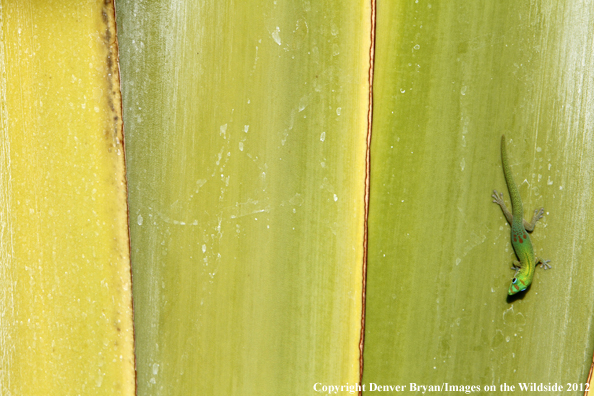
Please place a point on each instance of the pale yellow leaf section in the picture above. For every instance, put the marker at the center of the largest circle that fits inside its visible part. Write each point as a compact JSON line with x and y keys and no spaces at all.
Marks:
{"x":65,"y":306}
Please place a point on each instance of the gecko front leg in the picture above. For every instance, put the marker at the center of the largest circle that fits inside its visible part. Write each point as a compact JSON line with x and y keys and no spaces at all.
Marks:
{"x":544,"y":264}
{"x":516,"y":266}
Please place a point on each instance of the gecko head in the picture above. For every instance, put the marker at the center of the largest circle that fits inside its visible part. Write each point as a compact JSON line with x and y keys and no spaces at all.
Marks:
{"x":519,"y":284}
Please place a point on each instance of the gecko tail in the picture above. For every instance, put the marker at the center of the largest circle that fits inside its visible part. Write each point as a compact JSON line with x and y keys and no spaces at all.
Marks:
{"x":517,"y":208}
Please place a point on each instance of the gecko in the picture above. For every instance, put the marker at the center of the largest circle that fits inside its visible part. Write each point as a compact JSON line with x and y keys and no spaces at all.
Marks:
{"x":520,"y":230}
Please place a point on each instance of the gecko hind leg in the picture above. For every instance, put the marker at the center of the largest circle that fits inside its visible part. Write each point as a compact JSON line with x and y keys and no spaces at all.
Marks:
{"x":537,"y":216}
{"x":498,"y":199}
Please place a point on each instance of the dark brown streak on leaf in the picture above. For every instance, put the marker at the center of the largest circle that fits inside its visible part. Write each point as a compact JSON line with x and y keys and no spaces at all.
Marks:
{"x":367,"y":187}
{"x":116,"y":138}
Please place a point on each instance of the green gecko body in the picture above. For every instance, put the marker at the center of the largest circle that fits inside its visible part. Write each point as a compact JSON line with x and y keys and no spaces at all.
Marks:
{"x":520,"y":230}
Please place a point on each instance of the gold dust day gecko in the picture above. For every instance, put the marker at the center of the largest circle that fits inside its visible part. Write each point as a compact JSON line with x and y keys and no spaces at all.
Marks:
{"x":520,"y":230}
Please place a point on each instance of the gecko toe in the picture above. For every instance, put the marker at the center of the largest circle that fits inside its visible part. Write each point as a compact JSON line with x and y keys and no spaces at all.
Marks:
{"x":497,"y":197}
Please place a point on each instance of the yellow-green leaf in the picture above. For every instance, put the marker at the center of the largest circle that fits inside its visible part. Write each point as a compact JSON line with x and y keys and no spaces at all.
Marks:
{"x":452,"y":77}
{"x":246,"y":127}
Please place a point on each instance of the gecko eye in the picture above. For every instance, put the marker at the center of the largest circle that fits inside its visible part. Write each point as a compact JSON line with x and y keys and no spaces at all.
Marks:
{"x":514,"y":280}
